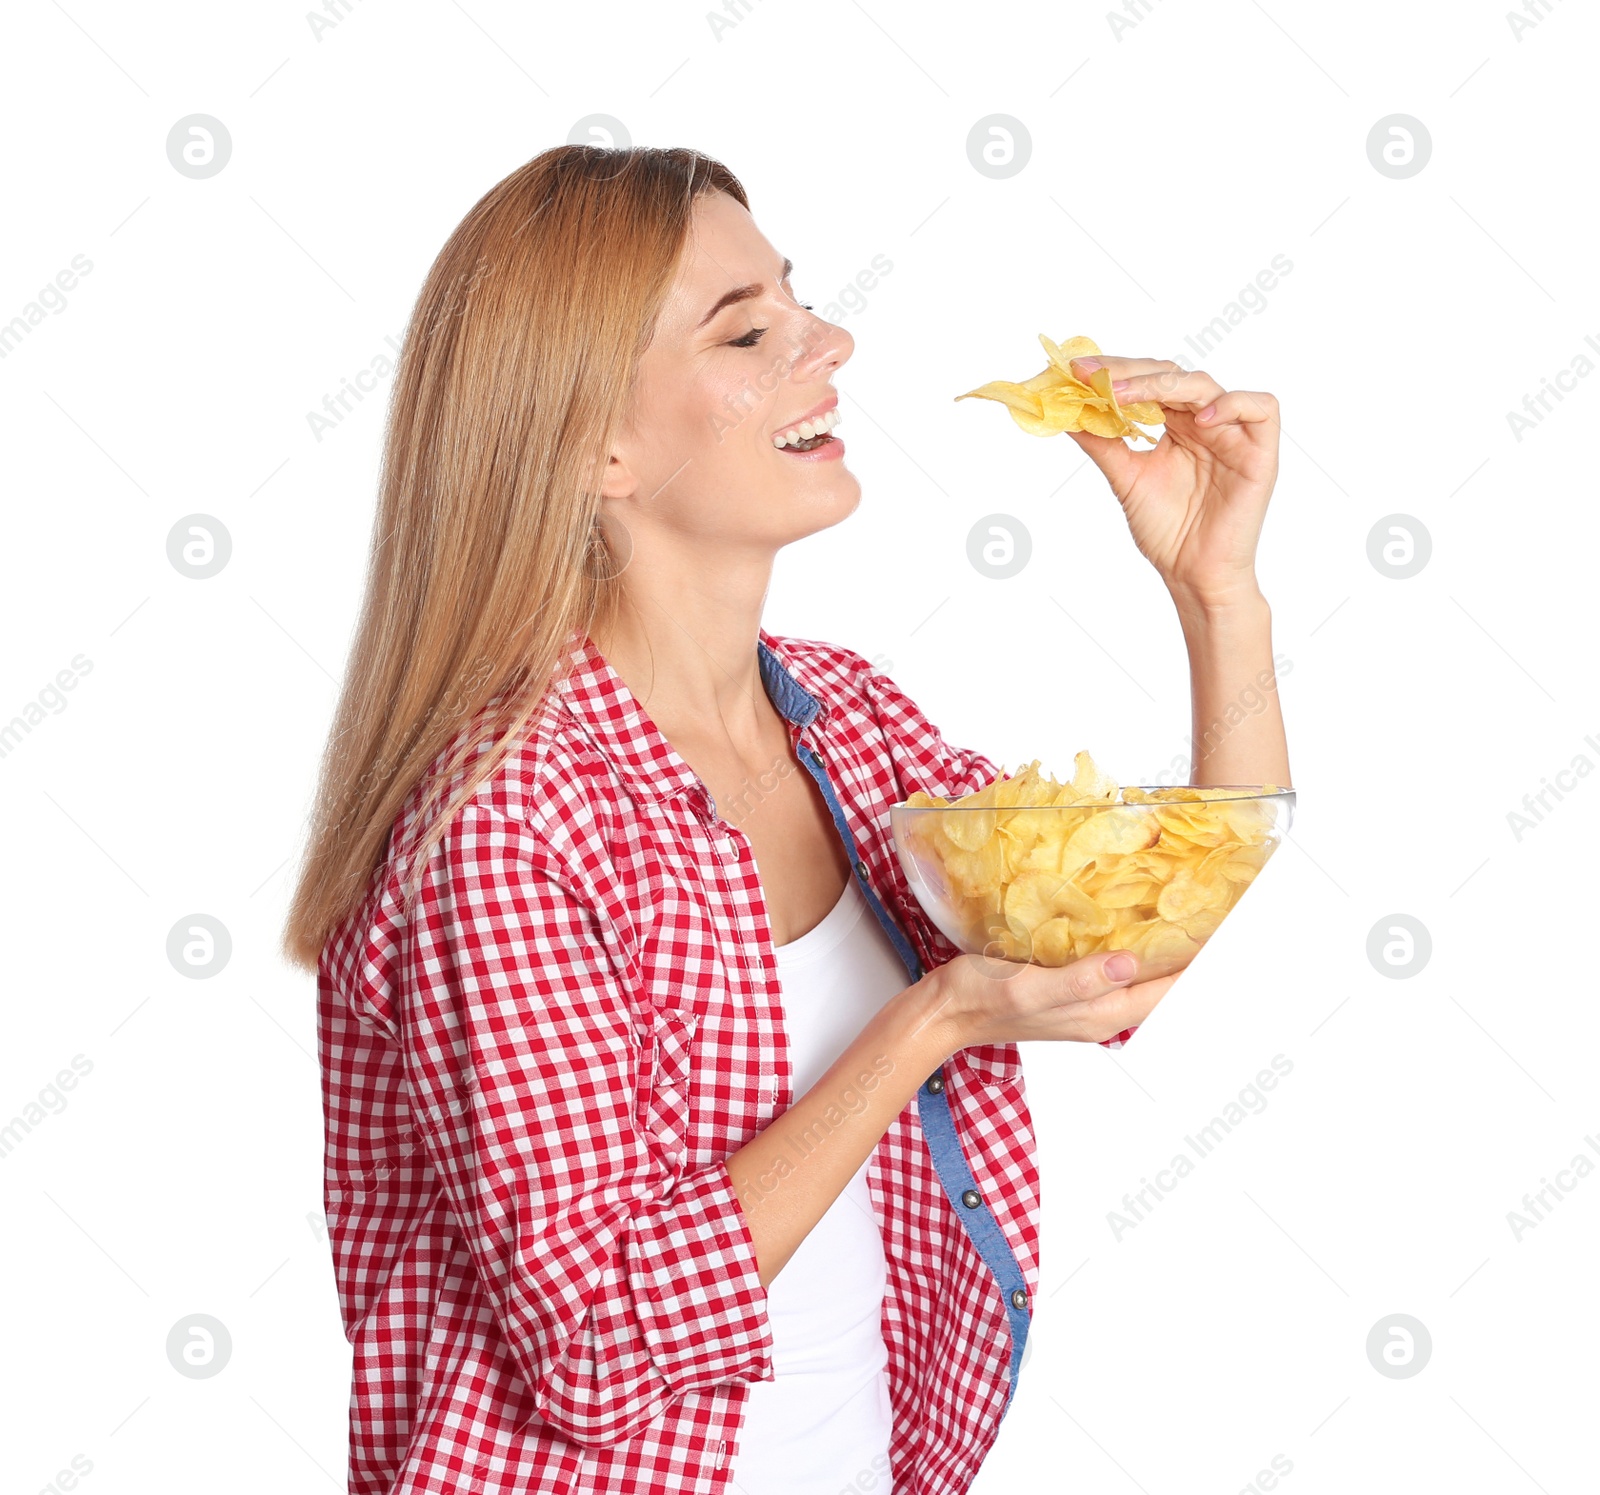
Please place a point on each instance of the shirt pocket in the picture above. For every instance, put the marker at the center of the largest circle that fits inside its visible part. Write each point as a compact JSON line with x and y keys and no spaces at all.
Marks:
{"x":992,"y":1063}
{"x":666,"y":1075}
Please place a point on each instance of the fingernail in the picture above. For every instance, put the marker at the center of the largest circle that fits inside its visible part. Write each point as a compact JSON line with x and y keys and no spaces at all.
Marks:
{"x":1120,"y":386}
{"x":1121,"y":966}
{"x":1088,"y":365}
{"x":1207,"y":413}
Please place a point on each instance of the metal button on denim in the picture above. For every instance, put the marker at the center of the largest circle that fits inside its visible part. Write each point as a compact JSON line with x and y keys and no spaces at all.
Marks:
{"x":971,"y":1199}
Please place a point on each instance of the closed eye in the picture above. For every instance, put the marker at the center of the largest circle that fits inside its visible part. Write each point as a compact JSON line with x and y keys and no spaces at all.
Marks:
{"x":753,"y":336}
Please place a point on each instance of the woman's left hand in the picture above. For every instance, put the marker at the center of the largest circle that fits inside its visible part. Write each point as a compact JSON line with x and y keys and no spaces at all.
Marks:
{"x":1195,"y":501}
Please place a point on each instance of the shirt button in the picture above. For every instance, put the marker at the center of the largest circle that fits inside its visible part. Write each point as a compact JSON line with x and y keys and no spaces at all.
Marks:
{"x":971,"y":1199}
{"x":935,"y":1084}
{"x":816,"y":757}
{"x":861,"y":868}
{"x":1019,"y":1298}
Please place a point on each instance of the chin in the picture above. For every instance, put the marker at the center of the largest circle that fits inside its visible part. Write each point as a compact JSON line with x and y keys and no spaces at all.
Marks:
{"x":826,"y":504}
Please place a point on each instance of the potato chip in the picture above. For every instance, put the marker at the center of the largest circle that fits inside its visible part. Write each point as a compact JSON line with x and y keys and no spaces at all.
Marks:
{"x":1186,"y":896}
{"x":972,"y":871}
{"x":1032,"y":869}
{"x":1052,"y":942}
{"x":1089,"y":783}
{"x":1056,"y":400}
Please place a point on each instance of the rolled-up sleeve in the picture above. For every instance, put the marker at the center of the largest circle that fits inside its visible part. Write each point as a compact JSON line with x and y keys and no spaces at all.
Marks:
{"x":619,"y":1281}
{"x":936,"y":765}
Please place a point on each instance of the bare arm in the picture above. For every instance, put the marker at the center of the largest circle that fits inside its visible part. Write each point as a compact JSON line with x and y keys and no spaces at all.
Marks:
{"x":788,"y":1175}
{"x":1238,"y":728}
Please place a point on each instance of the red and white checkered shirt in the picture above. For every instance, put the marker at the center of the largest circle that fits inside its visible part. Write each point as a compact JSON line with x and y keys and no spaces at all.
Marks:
{"x":533,"y":1078}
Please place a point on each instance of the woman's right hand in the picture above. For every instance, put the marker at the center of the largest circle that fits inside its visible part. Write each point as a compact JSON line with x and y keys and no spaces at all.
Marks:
{"x":977,"y":999}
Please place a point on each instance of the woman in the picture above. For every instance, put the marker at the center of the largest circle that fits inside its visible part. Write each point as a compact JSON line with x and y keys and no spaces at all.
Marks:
{"x":654,"y":1160}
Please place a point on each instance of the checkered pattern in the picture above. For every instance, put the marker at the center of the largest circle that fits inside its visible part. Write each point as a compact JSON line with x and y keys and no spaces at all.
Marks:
{"x":532,"y":1079}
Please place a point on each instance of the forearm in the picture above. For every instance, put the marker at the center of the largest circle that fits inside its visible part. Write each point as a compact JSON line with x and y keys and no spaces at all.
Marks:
{"x":789,"y":1174}
{"x":1237,"y":725}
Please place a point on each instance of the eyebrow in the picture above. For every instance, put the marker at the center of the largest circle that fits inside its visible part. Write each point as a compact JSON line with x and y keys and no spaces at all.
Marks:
{"x":742,"y":293}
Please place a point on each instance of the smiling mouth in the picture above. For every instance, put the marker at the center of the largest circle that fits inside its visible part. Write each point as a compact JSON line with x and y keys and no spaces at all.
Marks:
{"x":808,"y":435}
{"x":807,"y":446}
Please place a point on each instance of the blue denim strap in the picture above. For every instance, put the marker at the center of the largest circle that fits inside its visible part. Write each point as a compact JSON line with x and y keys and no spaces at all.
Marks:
{"x":933,"y":1102}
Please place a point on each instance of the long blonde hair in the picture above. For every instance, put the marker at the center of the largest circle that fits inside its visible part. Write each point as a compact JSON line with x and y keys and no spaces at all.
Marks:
{"x":515,"y":373}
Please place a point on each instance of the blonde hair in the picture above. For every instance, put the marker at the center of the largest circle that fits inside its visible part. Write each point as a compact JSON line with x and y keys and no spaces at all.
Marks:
{"x":515,"y":374}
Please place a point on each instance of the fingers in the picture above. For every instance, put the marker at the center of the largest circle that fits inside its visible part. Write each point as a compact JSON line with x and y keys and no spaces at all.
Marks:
{"x":1158,"y":379}
{"x":1240,"y":407}
{"x":1121,"y":368}
{"x":977,"y":1000}
{"x":1123,"y":1008}
{"x":1164,"y":382}
{"x":1096,"y":975}
{"x":1177,"y":389}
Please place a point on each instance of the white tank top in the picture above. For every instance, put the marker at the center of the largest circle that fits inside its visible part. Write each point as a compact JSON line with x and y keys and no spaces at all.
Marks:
{"x":824,"y":1421}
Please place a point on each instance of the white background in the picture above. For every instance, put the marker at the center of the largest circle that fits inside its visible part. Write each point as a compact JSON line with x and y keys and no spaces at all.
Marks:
{"x":1169,"y":164}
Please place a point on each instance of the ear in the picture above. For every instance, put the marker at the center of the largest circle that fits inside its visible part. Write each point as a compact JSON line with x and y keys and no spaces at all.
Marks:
{"x":617,"y":480}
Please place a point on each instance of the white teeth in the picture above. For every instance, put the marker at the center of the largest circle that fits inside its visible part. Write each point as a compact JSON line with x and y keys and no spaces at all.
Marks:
{"x":808,"y":428}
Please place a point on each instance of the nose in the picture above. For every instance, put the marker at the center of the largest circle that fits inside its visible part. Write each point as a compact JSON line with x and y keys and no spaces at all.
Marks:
{"x":823,"y":346}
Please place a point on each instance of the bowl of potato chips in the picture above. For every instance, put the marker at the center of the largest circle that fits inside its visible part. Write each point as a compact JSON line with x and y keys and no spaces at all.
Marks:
{"x":1030,"y":869}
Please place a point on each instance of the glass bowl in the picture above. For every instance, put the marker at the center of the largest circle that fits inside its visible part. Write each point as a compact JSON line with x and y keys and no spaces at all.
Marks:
{"x":1050,"y":884}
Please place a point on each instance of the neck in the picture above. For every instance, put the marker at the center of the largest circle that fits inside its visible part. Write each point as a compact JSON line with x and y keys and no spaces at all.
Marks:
{"x":693,"y":669}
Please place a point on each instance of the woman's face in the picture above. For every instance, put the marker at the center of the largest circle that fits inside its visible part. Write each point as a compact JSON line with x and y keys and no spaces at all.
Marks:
{"x":721,"y":379}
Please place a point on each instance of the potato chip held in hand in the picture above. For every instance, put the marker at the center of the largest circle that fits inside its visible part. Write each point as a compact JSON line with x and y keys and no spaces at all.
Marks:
{"x":1057,"y":400}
